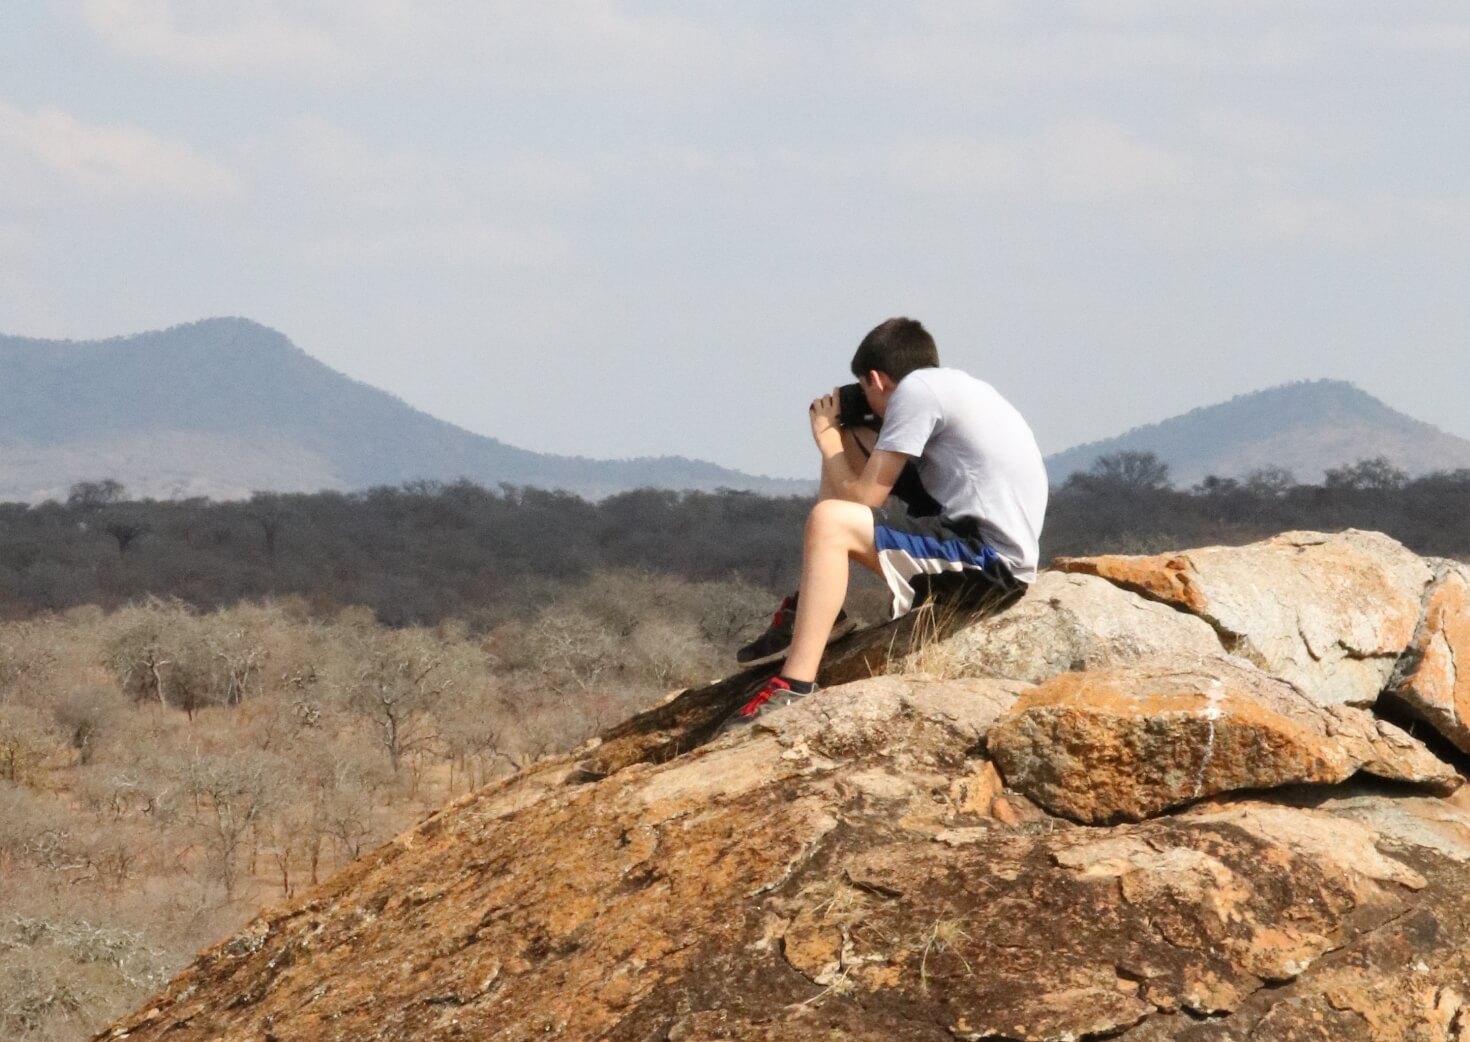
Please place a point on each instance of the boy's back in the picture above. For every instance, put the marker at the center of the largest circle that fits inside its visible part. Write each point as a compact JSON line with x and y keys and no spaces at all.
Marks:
{"x":977,"y":457}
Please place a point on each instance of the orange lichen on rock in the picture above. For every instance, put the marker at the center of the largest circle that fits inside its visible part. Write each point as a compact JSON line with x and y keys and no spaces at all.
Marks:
{"x":1165,"y":577}
{"x":1128,"y":743}
{"x":1436,"y":687}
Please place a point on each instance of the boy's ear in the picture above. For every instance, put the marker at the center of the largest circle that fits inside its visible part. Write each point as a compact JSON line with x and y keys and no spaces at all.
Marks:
{"x":881,"y":380}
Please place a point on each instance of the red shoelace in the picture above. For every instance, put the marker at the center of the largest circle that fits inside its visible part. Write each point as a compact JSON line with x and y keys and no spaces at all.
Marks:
{"x":768,"y":692}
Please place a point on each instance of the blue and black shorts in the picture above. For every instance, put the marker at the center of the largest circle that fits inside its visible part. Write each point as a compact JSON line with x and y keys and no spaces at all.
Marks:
{"x":927,"y":557}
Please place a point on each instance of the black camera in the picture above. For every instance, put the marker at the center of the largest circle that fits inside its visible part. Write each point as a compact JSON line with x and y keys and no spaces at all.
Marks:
{"x":852,"y":408}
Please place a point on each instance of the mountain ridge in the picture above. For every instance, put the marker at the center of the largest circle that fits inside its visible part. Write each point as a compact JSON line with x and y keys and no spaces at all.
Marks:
{"x":1306,"y":426}
{"x":226,"y":406}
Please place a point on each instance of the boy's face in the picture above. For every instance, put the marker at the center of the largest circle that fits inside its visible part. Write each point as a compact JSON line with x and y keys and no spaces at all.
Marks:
{"x":877,"y":388}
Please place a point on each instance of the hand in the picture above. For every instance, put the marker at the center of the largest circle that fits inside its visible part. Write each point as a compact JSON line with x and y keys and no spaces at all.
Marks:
{"x":824,"y":413}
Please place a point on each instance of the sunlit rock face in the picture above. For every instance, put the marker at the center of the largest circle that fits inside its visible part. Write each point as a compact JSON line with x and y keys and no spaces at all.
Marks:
{"x":1329,"y":613}
{"x":1434,"y":677}
{"x":1151,"y":801}
{"x":1070,"y":622}
{"x":1125,"y":744}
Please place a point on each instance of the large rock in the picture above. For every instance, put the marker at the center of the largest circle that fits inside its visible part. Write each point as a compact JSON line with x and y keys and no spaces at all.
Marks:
{"x":816,"y":877}
{"x":1067,"y":623}
{"x":1434,"y":677}
{"x":854,"y":867}
{"x":1407,"y":979}
{"x":1330,"y":613}
{"x":1127,"y":743}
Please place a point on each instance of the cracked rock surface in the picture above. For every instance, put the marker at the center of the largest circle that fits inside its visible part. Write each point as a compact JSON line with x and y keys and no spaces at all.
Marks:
{"x":1329,"y":613}
{"x":907,"y":857}
{"x":1434,"y":676}
{"x":1128,"y":743}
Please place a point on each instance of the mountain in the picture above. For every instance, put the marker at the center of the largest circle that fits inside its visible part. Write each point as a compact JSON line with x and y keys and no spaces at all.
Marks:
{"x":225,"y":406}
{"x":1305,"y":427}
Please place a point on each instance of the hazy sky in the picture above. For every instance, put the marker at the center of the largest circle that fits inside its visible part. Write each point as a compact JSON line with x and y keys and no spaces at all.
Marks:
{"x":620,"y":229}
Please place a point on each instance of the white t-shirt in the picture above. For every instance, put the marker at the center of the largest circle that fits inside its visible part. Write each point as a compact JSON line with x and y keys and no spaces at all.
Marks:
{"x":976,"y":456}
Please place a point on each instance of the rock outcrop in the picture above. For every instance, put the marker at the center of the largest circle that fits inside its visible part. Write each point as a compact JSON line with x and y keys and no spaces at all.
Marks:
{"x":1067,"y":623}
{"x":1331,"y":614}
{"x":910,"y":857}
{"x":1434,"y":682}
{"x":1125,"y":744}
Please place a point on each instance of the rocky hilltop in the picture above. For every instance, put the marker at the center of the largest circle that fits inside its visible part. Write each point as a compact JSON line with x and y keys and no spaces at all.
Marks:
{"x":1307,"y":427}
{"x":1211,"y":795}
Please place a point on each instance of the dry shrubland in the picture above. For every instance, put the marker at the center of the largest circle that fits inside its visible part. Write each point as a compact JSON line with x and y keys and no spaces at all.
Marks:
{"x":164,"y":771}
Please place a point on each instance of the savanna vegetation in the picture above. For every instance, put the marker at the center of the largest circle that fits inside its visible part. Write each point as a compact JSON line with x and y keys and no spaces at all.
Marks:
{"x":164,"y":770}
{"x":207,"y":706}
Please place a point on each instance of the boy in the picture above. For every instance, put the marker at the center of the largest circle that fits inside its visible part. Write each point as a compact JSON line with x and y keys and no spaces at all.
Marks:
{"x":973,"y":480}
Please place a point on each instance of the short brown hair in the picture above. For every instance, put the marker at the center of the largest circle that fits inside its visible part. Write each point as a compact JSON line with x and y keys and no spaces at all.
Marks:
{"x":896,"y":347}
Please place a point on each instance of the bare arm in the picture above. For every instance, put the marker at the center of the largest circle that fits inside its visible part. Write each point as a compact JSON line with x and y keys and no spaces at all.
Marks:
{"x":869,"y":486}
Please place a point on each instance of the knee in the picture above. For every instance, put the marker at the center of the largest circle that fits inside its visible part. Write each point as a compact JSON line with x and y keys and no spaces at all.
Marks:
{"x":831,"y":520}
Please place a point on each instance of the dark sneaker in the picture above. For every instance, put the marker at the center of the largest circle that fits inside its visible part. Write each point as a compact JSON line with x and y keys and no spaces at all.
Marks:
{"x":774,"y":694}
{"x":777,"y":637}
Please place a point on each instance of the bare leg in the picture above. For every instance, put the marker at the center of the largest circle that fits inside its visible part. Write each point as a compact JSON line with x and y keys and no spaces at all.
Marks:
{"x":838,"y":531}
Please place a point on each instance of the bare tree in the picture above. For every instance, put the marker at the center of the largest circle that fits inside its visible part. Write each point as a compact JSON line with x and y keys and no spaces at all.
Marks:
{"x":236,"y":656}
{"x":473,"y":727}
{"x":1216,"y":486}
{"x":669,"y":652}
{"x":83,"y":714}
{"x":568,"y":649}
{"x":1270,"y":482}
{"x":25,"y":743}
{"x":1128,"y":470}
{"x":396,"y":685}
{"x":269,"y":510}
{"x":126,"y":531}
{"x":233,"y":793}
{"x":94,"y":495}
{"x":1377,"y":474}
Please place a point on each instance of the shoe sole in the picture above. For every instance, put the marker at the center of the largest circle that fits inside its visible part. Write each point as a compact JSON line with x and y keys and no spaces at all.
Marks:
{"x":839,"y":631}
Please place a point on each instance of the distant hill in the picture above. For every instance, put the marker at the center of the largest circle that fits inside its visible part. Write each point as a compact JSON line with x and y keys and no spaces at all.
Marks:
{"x":225,"y":406}
{"x":1305,"y":427}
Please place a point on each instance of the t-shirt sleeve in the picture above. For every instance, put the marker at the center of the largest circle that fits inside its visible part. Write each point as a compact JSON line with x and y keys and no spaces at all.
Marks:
{"x":912,"y":416}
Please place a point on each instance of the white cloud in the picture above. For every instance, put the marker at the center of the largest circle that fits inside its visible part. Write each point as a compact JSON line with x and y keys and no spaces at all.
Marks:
{"x":1033,"y":60}
{"x":959,"y":164}
{"x":1078,"y":160}
{"x":14,"y":238}
{"x":1318,"y":218}
{"x":1449,"y":39}
{"x":339,"y":170}
{"x":1091,"y":160}
{"x":607,"y":42}
{"x":108,"y":160}
{"x":214,"y":35}
{"x":1442,"y":215}
{"x":1240,"y":134}
{"x":522,"y":45}
{"x":487,"y":248}
{"x":1231,"y":176}
{"x":336,"y":201}
{"x":342,"y":170}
